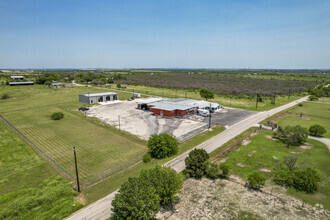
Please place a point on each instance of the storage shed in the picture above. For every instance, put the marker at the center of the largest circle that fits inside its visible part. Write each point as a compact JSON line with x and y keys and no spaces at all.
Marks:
{"x":98,"y":97}
{"x":28,"y":83}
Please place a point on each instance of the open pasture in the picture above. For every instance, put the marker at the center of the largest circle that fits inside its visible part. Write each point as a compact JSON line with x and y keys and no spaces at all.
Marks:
{"x":101,"y":149}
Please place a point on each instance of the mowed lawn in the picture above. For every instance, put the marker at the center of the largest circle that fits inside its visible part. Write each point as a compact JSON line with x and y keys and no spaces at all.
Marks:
{"x":263,"y":153}
{"x":101,"y":149}
{"x":243,"y":103}
{"x":29,"y":187}
{"x":312,"y":113}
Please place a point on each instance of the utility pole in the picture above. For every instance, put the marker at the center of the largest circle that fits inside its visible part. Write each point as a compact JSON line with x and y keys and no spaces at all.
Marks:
{"x":274,"y":97}
{"x":257,"y":101}
{"x":210,"y":117}
{"x":175,"y":93}
{"x":185,"y":95}
{"x":230,"y":100}
{"x":289,"y":93}
{"x":75,"y":161}
{"x":119,"y":122}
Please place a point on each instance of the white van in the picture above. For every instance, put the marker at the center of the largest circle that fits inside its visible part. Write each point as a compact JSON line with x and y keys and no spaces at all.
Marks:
{"x":203,"y":112}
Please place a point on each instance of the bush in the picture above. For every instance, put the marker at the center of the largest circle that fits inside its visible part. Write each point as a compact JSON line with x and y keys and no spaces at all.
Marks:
{"x":118,"y":86}
{"x":292,"y":135}
{"x":317,"y":130}
{"x":57,"y":115}
{"x":313,"y":98}
{"x":301,"y":180}
{"x":5,"y":96}
{"x":162,"y":145}
{"x":197,"y":163}
{"x":146,"y":158}
{"x":224,"y":168}
{"x":212,"y":171}
{"x":300,"y":105}
{"x":256,"y":180}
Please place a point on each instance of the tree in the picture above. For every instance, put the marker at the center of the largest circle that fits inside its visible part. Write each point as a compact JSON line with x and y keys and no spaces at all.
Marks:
{"x":225,"y":169}
{"x":306,"y":180}
{"x":317,"y":130}
{"x":256,"y":180}
{"x":313,"y":98}
{"x":206,"y":94}
{"x":212,"y":171}
{"x":118,"y":86}
{"x":197,"y":163}
{"x":136,"y":200}
{"x":146,"y":158}
{"x":162,"y":145}
{"x":292,"y":135}
{"x":290,"y":162}
{"x":165,"y":180}
{"x":57,"y":115}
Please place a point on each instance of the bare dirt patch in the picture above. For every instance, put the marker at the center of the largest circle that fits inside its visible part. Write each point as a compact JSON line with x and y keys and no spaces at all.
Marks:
{"x":270,"y":137}
{"x":81,"y":199}
{"x":306,"y":146}
{"x":225,"y":199}
{"x":251,"y":153}
{"x":246,"y":142}
{"x":241,"y":165}
{"x":265,"y":170}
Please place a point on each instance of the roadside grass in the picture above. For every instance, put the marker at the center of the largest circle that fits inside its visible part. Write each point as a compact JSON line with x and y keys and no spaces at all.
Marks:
{"x":263,"y":153}
{"x":312,"y":113}
{"x":101,"y":189}
{"x":235,"y":102}
{"x":29,"y":187}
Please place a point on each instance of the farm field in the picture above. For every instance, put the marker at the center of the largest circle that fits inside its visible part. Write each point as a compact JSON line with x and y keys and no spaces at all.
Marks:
{"x":235,"y":102}
{"x":221,"y":84}
{"x":29,"y":187}
{"x":101,"y":150}
{"x":261,"y":152}
{"x":312,"y":113}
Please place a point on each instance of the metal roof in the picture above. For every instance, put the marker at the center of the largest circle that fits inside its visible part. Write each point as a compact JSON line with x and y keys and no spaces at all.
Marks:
{"x":170,"y":107}
{"x":148,"y":101}
{"x":100,"y":94}
{"x":17,"y":83}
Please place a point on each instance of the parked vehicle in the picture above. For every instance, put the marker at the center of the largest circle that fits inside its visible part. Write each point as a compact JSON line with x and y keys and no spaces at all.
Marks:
{"x":203,"y":112}
{"x":83,"y":109}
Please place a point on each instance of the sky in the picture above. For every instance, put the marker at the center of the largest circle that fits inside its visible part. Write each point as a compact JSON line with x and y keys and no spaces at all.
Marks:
{"x":265,"y":34}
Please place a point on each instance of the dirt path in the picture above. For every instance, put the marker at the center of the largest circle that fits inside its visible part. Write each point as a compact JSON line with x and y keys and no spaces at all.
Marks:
{"x":223,"y":199}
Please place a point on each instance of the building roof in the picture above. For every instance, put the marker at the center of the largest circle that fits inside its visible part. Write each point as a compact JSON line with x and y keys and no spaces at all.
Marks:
{"x":16,"y":77}
{"x":21,"y":83}
{"x":100,"y":94}
{"x":148,"y":101}
{"x":170,"y":106}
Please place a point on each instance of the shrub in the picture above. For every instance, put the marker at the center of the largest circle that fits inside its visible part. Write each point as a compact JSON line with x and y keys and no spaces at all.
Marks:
{"x":306,"y":180}
{"x":212,"y":171}
{"x":118,"y":86}
{"x":57,"y":115}
{"x":256,"y":180}
{"x":5,"y":96}
{"x":292,"y":135}
{"x":317,"y":130}
{"x":224,"y":168}
{"x":313,"y":98}
{"x":300,"y":105}
{"x":197,"y":163}
{"x":146,"y":158}
{"x":162,"y":145}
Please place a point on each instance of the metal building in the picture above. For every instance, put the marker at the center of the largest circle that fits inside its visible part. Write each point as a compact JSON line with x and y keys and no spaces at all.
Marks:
{"x":98,"y":97}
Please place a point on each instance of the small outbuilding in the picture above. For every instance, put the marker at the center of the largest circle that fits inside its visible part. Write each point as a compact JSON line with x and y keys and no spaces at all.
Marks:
{"x":98,"y":97}
{"x":28,"y":83}
{"x":17,"y":77}
{"x":55,"y":85}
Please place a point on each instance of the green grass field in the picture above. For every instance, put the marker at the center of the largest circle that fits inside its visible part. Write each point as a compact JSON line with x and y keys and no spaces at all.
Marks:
{"x":101,"y":149}
{"x":243,"y":103}
{"x":29,"y":187}
{"x":312,"y":113}
{"x":262,"y":152}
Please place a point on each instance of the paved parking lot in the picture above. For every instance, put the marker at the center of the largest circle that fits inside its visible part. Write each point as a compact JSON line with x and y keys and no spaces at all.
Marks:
{"x":144,"y":124}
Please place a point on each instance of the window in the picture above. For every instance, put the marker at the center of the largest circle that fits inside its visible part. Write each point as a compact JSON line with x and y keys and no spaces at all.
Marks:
{"x":179,"y":113}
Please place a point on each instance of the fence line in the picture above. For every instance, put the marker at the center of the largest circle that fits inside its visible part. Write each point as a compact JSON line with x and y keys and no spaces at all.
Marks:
{"x":40,"y":151}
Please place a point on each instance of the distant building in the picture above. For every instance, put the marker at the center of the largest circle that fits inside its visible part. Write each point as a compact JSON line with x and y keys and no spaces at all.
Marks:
{"x":17,"y":77}
{"x":98,"y":97}
{"x":136,"y":95}
{"x":55,"y":85}
{"x":28,"y":83}
{"x":177,"y":107}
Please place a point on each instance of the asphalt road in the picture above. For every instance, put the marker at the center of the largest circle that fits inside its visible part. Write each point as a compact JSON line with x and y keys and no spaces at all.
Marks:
{"x":101,"y":209}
